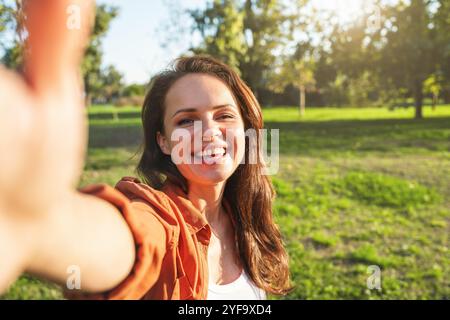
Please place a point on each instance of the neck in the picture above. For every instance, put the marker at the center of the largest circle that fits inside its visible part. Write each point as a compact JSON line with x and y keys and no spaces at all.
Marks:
{"x":208,"y":199}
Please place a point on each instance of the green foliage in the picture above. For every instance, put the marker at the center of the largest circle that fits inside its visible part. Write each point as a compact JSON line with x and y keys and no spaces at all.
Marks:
{"x":242,"y":33}
{"x":134,"y":90}
{"x":13,"y":57}
{"x":323,"y":239}
{"x":442,"y":22}
{"x":404,"y":55}
{"x":368,"y":254}
{"x":408,"y":59}
{"x":95,"y":79}
{"x":11,"y":17}
{"x":28,"y":287}
{"x":112,"y":84}
{"x":4,"y":19}
{"x":332,"y":233}
{"x":100,"y":83}
{"x":221,"y":25}
{"x":298,"y":71}
{"x":381,"y":190}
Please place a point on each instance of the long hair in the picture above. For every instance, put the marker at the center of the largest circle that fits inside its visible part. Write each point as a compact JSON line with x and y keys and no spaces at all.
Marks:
{"x":248,"y":191}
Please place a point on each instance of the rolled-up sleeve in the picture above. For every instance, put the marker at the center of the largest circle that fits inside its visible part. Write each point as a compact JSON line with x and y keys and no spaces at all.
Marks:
{"x":150,"y":242}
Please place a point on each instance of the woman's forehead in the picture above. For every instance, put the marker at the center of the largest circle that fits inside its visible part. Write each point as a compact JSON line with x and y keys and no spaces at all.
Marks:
{"x":198,"y":91}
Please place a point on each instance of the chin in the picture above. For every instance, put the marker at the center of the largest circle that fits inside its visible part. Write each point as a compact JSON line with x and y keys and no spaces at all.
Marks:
{"x":207,"y":174}
{"x":210,"y":169}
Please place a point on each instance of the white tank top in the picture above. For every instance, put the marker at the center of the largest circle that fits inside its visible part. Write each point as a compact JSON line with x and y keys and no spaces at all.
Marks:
{"x":243,"y":288}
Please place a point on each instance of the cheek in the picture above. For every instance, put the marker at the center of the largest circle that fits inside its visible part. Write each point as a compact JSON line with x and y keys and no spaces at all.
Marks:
{"x":236,"y":139}
{"x":233,"y":135}
{"x":181,"y":142}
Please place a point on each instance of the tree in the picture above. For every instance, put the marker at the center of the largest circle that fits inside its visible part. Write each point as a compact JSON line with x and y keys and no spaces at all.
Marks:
{"x":394,"y":51}
{"x":111,"y":84}
{"x":296,"y":70}
{"x":407,"y":58}
{"x":221,"y":26}
{"x":92,"y":62}
{"x":12,"y":23}
{"x":433,"y":86}
{"x":12,"y":18}
{"x":441,"y":20}
{"x":133,"y":90}
{"x":244,"y":34}
{"x":265,"y":29}
{"x":345,"y":61}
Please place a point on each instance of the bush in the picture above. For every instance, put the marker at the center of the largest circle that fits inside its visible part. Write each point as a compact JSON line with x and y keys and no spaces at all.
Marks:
{"x":130,"y":101}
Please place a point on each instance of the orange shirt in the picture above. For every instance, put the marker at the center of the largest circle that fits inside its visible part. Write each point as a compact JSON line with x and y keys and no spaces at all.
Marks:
{"x":171,"y":236}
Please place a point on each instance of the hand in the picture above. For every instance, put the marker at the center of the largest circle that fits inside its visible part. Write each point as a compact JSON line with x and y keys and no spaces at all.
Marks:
{"x":43,"y":132}
{"x":42,"y":143}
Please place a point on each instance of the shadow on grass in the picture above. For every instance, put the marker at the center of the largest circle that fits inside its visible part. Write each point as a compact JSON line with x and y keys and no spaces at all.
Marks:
{"x":384,"y":135}
{"x":309,"y":138}
{"x":114,"y":115}
{"x":112,"y":136}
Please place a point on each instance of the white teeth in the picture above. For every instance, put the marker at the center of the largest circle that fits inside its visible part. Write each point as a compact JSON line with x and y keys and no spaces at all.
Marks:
{"x":209,"y":152}
{"x":219,"y":151}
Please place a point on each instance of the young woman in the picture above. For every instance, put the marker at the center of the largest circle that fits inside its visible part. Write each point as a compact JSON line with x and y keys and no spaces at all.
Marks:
{"x":199,"y":228}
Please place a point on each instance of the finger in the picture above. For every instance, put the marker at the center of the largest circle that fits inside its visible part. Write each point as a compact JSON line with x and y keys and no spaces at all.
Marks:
{"x":58,"y":33}
{"x":15,"y":125}
{"x":14,"y":252}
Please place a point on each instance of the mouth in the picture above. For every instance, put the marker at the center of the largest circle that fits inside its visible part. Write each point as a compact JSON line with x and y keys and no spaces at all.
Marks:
{"x":210,"y":155}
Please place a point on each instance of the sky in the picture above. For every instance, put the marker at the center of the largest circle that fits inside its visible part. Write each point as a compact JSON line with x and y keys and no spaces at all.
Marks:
{"x":134,"y":42}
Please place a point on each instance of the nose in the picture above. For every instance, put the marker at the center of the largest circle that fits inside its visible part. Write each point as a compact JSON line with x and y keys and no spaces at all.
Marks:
{"x":211,"y":134}
{"x":207,"y":132}
{"x":210,"y":130}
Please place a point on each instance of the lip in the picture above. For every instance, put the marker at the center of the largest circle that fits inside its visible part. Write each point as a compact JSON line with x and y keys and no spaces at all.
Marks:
{"x":217,"y":149}
{"x":211,"y":152}
{"x":211,"y":159}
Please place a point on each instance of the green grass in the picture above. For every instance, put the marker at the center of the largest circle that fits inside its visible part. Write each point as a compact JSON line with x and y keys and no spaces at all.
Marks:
{"x":356,"y":187}
{"x":386,"y":191}
{"x":287,"y":114}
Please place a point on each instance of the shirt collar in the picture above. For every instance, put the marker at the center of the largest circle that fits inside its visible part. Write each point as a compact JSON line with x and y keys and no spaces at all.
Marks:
{"x":193,"y":217}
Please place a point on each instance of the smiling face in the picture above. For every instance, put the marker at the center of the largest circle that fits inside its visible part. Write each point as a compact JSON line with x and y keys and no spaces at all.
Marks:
{"x":203,"y":111}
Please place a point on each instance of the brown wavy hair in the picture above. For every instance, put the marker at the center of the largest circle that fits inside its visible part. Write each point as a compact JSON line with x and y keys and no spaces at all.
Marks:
{"x":248,"y":191}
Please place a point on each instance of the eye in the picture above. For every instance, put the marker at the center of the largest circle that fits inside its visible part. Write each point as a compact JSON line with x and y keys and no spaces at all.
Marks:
{"x":184,"y":122}
{"x":226,"y":116}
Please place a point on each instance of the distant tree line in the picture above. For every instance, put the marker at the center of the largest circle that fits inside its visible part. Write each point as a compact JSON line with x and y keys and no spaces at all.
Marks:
{"x":102,"y":84}
{"x":395,"y":53}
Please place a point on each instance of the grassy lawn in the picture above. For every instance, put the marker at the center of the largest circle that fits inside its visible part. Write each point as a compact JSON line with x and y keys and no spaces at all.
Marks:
{"x":356,"y":187}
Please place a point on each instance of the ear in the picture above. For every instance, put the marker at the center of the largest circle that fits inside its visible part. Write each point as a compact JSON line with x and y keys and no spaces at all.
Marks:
{"x":163,"y":143}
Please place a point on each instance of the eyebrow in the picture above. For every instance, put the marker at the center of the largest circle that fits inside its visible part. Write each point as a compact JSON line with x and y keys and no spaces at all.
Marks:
{"x":195,"y":110}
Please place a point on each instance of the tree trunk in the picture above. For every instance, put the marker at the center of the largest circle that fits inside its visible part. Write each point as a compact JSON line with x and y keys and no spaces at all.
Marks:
{"x":87,"y":92}
{"x":302,"y":100}
{"x":446,"y":97}
{"x":87,"y":99}
{"x":435,"y":101}
{"x":418,"y":99}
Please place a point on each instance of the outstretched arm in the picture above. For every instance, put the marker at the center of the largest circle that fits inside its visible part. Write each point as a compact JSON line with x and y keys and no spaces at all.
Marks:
{"x":45,"y":224}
